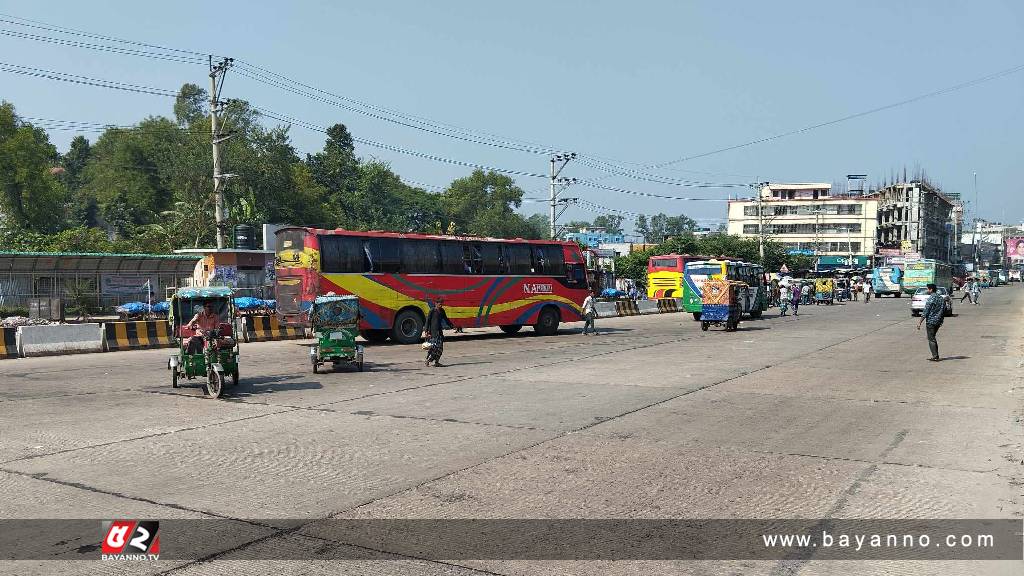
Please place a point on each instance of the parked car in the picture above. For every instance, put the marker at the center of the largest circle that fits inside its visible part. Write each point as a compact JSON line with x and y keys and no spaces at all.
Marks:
{"x":921,"y":296}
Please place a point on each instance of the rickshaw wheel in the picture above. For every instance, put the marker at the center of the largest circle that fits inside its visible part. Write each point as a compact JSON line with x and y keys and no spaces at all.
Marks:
{"x":214,"y":384}
{"x":174,"y":377}
{"x":234,"y":377}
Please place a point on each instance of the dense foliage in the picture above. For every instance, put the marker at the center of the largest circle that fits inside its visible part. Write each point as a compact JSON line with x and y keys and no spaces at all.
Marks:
{"x":148,"y":188}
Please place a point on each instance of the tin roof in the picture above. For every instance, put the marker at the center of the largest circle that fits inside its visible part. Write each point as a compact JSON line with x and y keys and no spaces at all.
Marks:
{"x":57,"y":262}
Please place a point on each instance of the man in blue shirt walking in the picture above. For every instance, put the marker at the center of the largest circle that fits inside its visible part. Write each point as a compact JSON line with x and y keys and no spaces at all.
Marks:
{"x":932,"y":316}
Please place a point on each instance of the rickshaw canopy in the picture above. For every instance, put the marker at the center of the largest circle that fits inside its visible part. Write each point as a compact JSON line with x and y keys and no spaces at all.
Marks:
{"x":204,"y":292}
{"x":334,"y":311}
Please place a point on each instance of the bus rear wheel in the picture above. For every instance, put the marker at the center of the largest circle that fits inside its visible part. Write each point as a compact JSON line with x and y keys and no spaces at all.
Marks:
{"x":547,"y":322}
{"x":757,"y":313}
{"x":408,"y":327}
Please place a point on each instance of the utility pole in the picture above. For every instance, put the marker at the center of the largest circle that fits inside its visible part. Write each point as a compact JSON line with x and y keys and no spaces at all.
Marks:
{"x":760,"y":225}
{"x":217,"y":72}
{"x":974,"y":235}
{"x":556,"y":185}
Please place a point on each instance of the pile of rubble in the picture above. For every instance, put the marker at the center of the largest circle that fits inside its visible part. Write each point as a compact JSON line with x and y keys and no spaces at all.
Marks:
{"x":15,"y":321}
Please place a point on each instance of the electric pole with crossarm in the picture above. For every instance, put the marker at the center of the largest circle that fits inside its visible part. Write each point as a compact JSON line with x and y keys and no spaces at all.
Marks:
{"x":217,"y":72}
{"x":556,"y":185}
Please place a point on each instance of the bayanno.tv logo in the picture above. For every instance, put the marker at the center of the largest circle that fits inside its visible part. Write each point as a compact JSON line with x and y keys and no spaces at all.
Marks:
{"x":130,"y":540}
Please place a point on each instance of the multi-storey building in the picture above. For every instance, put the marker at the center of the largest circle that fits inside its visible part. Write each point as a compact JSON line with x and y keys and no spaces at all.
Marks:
{"x":594,"y":237}
{"x":807,"y":218}
{"x":916,"y":218}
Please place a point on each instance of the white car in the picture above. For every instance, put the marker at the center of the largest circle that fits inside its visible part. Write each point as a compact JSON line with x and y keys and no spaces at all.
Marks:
{"x":921,"y":296}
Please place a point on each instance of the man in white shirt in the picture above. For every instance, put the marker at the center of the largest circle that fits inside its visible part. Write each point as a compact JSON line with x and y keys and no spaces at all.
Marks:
{"x":589,"y":314}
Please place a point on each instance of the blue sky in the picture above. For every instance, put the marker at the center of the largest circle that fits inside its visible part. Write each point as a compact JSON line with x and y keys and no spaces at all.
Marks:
{"x":640,"y":82}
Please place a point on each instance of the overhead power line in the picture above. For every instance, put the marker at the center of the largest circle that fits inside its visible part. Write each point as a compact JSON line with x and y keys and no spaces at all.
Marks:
{"x":186,"y":59}
{"x":38,"y":25}
{"x":398,"y":149}
{"x":86,"y":80}
{"x":941,"y":91}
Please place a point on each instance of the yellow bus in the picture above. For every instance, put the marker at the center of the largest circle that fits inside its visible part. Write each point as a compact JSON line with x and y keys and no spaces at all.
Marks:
{"x":665,"y":275}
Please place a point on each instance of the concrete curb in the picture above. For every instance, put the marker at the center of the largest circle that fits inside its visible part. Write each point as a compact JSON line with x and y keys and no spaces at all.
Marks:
{"x":60,"y":339}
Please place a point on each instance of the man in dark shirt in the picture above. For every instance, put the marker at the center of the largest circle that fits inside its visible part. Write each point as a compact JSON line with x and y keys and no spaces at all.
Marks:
{"x":932,"y":316}
{"x":437,"y":321}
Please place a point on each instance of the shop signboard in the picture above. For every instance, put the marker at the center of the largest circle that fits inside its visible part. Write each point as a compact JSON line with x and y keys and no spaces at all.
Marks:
{"x":118,"y":285}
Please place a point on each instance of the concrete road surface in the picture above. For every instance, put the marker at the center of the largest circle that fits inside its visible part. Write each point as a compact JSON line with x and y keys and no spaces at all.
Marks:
{"x":832,"y":414}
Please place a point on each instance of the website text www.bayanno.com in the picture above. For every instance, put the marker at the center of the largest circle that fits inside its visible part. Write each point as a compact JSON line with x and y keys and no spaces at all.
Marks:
{"x":857,"y":542}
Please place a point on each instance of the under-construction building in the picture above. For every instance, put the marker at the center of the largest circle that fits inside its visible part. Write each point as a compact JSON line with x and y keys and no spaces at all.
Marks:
{"x":916,"y":217}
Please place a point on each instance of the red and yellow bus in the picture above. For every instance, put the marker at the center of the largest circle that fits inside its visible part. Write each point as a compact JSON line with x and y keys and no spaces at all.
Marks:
{"x":398,"y":277}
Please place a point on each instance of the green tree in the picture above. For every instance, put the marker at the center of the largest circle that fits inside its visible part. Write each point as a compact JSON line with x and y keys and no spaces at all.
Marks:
{"x":611,"y":223}
{"x":539,"y":226}
{"x":190,"y":105}
{"x":676,"y":225}
{"x":80,"y":209}
{"x":30,"y":196}
{"x":484,"y":203}
{"x":642,"y":228}
{"x":336,"y":167}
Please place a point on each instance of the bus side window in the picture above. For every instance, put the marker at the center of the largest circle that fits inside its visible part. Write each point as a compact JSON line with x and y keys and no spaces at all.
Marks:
{"x":539,"y":262}
{"x":519,"y":261}
{"x":472,"y":262}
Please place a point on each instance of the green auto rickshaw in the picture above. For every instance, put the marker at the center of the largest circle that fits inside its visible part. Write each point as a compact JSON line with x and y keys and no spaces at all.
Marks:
{"x":334,"y":321}
{"x":211,"y":352}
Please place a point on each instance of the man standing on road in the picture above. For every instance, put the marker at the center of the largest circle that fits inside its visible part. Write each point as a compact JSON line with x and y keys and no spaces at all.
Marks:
{"x":932,"y":316}
{"x":976,"y":291}
{"x":795,"y":299}
{"x":589,"y":313}
{"x":967,"y":287}
{"x":868,"y":288}
{"x":436,"y":322}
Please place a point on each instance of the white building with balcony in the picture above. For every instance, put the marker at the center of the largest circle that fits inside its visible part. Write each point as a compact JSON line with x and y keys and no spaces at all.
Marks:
{"x":806,"y":218}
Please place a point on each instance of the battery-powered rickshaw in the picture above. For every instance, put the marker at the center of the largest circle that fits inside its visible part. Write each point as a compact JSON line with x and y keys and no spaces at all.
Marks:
{"x":824,"y":291}
{"x":721,"y":303}
{"x":209,"y":352}
{"x":334,"y":321}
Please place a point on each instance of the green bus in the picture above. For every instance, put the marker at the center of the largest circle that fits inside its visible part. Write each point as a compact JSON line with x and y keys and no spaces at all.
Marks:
{"x":920,"y":273}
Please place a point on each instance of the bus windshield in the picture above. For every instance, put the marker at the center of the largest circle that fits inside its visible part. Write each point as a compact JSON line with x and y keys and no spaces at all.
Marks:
{"x":664,"y":263}
{"x":704,"y":269}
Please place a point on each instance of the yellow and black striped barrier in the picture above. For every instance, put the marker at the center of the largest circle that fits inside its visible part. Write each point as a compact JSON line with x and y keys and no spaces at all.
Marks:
{"x":626,"y":308}
{"x":263,"y":328}
{"x":666,"y":305}
{"x":10,"y":344}
{"x":136,"y":335}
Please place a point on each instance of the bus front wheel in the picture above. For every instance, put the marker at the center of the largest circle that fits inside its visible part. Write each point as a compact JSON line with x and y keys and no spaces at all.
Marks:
{"x":511,"y":328}
{"x":757,"y":313}
{"x":408,"y":327}
{"x":696,"y":316}
{"x":547,"y":322}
